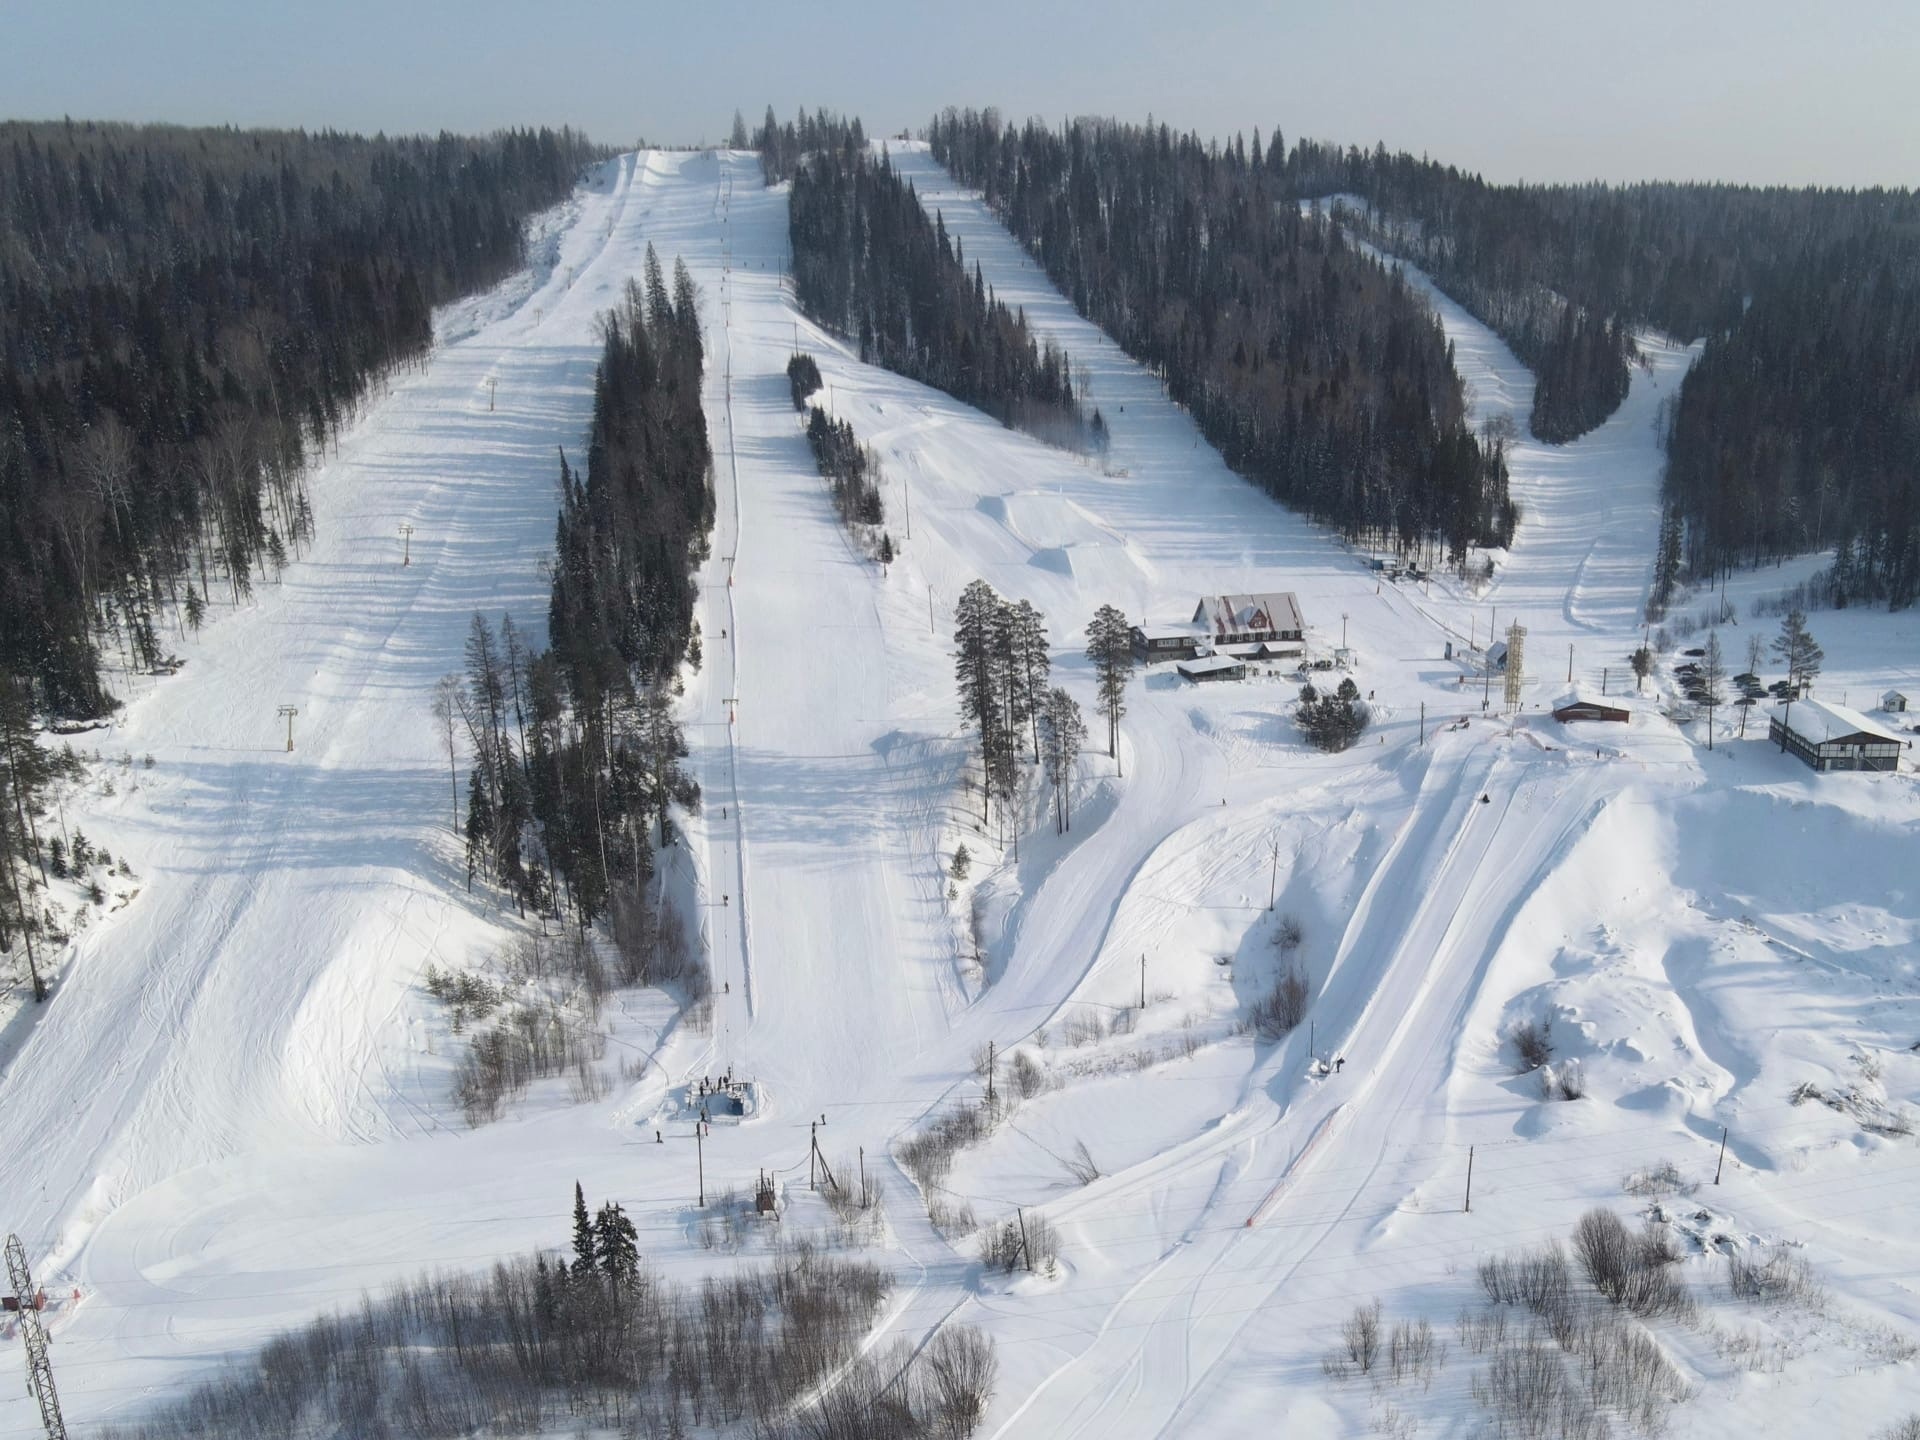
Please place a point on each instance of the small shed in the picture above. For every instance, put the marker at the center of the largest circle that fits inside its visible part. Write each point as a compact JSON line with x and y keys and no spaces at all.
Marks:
{"x":1578,"y":706}
{"x":1212,"y":667}
{"x":1834,"y":737}
{"x":1497,"y":656}
{"x":1894,"y":703}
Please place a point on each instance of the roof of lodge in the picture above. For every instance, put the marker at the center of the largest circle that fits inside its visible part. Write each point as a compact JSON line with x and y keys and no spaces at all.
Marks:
{"x":1227,"y":614}
{"x":1819,"y":721}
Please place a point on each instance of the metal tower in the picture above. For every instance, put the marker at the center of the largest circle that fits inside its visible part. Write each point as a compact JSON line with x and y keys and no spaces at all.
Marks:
{"x":39,"y":1363}
{"x":1516,"y":664}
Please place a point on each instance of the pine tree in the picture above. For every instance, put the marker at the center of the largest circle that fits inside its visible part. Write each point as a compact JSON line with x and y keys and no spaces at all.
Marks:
{"x":1063,"y":731}
{"x":1029,"y":663}
{"x":1796,"y":648}
{"x":977,"y":669}
{"x":1110,"y":648}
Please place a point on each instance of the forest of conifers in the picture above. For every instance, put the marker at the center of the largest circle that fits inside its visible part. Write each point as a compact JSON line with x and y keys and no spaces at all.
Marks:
{"x":575,"y":750}
{"x":1796,"y":430}
{"x":870,"y":265}
{"x":185,"y":316}
{"x":1313,"y":368}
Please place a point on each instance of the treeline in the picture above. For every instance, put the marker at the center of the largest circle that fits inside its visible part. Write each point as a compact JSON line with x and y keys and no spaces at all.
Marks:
{"x":27,"y":858}
{"x":600,"y":1341}
{"x":1001,"y":664}
{"x":850,"y":469}
{"x":781,"y":146}
{"x":575,"y":750}
{"x":1315,"y":370}
{"x":868,"y":264}
{"x":1795,"y":431}
{"x":185,"y":316}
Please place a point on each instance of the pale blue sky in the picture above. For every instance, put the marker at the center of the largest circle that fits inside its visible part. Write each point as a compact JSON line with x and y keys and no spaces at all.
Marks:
{"x":1762,"y":91}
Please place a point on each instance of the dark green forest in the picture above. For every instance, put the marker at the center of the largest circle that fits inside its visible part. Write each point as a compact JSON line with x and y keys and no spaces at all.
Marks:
{"x":869,"y":264}
{"x":576,"y":755}
{"x":1314,"y":369}
{"x":186,"y":318}
{"x":1799,"y":427}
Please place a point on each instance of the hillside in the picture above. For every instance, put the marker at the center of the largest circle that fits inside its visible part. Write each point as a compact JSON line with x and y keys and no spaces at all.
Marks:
{"x":237,"y":1109}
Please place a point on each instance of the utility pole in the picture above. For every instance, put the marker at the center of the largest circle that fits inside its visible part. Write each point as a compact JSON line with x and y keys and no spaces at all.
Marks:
{"x":700,"y":1157}
{"x":1273,"y":878}
{"x":813,"y":1149}
{"x":1343,"y":629}
{"x":1569,"y":662}
{"x":930,"y":610}
{"x":1143,"y":980}
{"x":1486,"y":669}
{"x":491,"y":382}
{"x":406,"y":543}
{"x":1468,"y":1207}
{"x":289,"y":712}
{"x":1721,"y":1162}
{"x":906,"y":490}
{"x":39,"y":1363}
{"x":1423,"y":722}
{"x":990,"y":1069}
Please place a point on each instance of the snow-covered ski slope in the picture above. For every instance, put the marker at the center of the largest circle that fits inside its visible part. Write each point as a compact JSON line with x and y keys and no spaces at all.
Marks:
{"x":236,"y":1114}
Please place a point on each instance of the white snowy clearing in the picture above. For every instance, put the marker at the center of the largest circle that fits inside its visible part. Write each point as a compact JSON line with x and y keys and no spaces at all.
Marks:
{"x":235,"y":1113}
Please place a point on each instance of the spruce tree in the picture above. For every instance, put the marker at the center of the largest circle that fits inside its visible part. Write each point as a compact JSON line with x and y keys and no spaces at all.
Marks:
{"x":618,"y":1244}
{"x":585,"y":1255}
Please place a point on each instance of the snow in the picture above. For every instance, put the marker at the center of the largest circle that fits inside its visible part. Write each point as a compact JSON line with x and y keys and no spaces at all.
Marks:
{"x":1818,"y":721}
{"x":235,"y":1112}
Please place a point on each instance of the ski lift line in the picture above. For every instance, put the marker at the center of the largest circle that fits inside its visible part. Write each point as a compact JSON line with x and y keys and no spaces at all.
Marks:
{"x":1891,"y":1173}
{"x":1384,"y":1258}
{"x":1813,"y":1186}
{"x":1790,"y":1188}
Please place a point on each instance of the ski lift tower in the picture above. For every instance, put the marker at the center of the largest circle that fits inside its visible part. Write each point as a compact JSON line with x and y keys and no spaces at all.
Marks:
{"x":27,"y":1301}
{"x":1516,"y":668}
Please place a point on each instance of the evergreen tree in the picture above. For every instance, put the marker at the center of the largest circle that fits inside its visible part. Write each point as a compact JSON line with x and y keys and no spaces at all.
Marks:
{"x":1796,"y":649}
{"x":479,"y":827}
{"x":585,"y":1253}
{"x":1110,"y":648}
{"x":1063,"y":731}
{"x":978,"y":672}
{"x":618,"y":1246}
{"x":1029,"y":665}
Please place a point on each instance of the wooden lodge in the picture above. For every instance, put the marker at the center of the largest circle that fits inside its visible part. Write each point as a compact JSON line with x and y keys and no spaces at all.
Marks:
{"x":1250,"y":619}
{"x":1586,"y":707}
